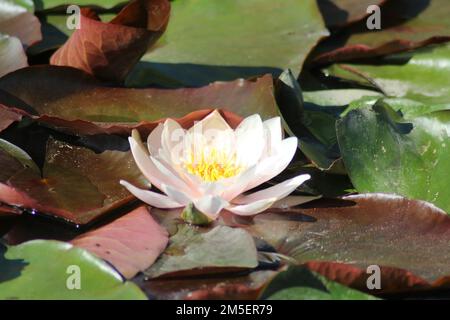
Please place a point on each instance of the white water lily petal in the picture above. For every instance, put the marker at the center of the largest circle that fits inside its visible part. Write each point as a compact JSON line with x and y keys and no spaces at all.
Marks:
{"x":273,"y":166}
{"x":278,"y":191}
{"x":172,"y":138}
{"x":240,"y":184}
{"x":210,"y":205}
{"x":250,"y":140}
{"x":213,"y":121}
{"x":174,"y":178}
{"x":211,"y":165}
{"x":273,"y":134}
{"x":154,"y":140}
{"x":293,"y":201}
{"x":252,"y":208}
{"x":152,"y":198}
{"x":176,"y":195}
{"x":147,"y":167}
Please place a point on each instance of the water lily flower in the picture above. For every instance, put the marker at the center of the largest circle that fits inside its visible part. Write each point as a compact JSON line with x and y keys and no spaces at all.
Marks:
{"x":211,"y":166}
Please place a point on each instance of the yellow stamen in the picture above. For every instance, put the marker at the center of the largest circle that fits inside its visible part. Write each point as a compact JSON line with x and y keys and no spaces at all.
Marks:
{"x":212,"y":166}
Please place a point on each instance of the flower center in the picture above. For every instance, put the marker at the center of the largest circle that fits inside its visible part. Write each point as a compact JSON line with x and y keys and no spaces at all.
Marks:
{"x":212,"y":166}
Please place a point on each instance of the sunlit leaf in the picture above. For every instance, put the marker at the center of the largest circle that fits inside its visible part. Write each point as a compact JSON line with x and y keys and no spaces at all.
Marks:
{"x":41,"y":270}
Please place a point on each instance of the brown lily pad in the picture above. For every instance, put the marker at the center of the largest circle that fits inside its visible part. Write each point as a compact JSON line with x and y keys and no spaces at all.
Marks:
{"x":405,"y":25}
{"x":131,"y":243}
{"x":223,"y":287}
{"x":110,"y":50}
{"x":409,"y":239}
{"x":84,"y":106}
{"x":75,"y":183}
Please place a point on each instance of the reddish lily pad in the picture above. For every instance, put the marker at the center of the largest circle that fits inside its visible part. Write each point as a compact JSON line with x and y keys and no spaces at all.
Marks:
{"x":344,"y":237}
{"x":75,"y":184}
{"x":406,"y":25}
{"x":84,"y":106}
{"x":231,"y":287}
{"x":131,"y":243}
{"x":110,"y":50}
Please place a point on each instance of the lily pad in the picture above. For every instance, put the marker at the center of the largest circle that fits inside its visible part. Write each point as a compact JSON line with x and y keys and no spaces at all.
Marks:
{"x":221,"y":287}
{"x":408,"y":239}
{"x":299,"y":283}
{"x":109,"y":50}
{"x":42,"y":269}
{"x":419,"y":75}
{"x":47,"y":5}
{"x":384,"y":152}
{"x":209,"y":40}
{"x":84,"y":106}
{"x":131,"y":243}
{"x":75,"y":184}
{"x":191,"y":251}
{"x":405,"y":25}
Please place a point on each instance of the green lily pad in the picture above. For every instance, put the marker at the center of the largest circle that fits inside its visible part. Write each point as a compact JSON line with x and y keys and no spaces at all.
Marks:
{"x":42,"y":5}
{"x":191,"y":251}
{"x":311,"y":117}
{"x":419,"y":75}
{"x":210,"y":40}
{"x":299,"y":283}
{"x":384,"y":152}
{"x":42,"y":269}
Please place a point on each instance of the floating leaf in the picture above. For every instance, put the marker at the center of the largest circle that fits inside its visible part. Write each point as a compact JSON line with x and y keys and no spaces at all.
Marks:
{"x":192,"y":251}
{"x":405,"y":25}
{"x":52,"y":5}
{"x":110,"y":50}
{"x":84,"y":106}
{"x":419,"y":75}
{"x":384,"y":152}
{"x":299,"y":283}
{"x":345,"y":237}
{"x":224,"y":287}
{"x":41,"y":270}
{"x":208,"y":40}
{"x":131,"y":243}
{"x":76,"y":184}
